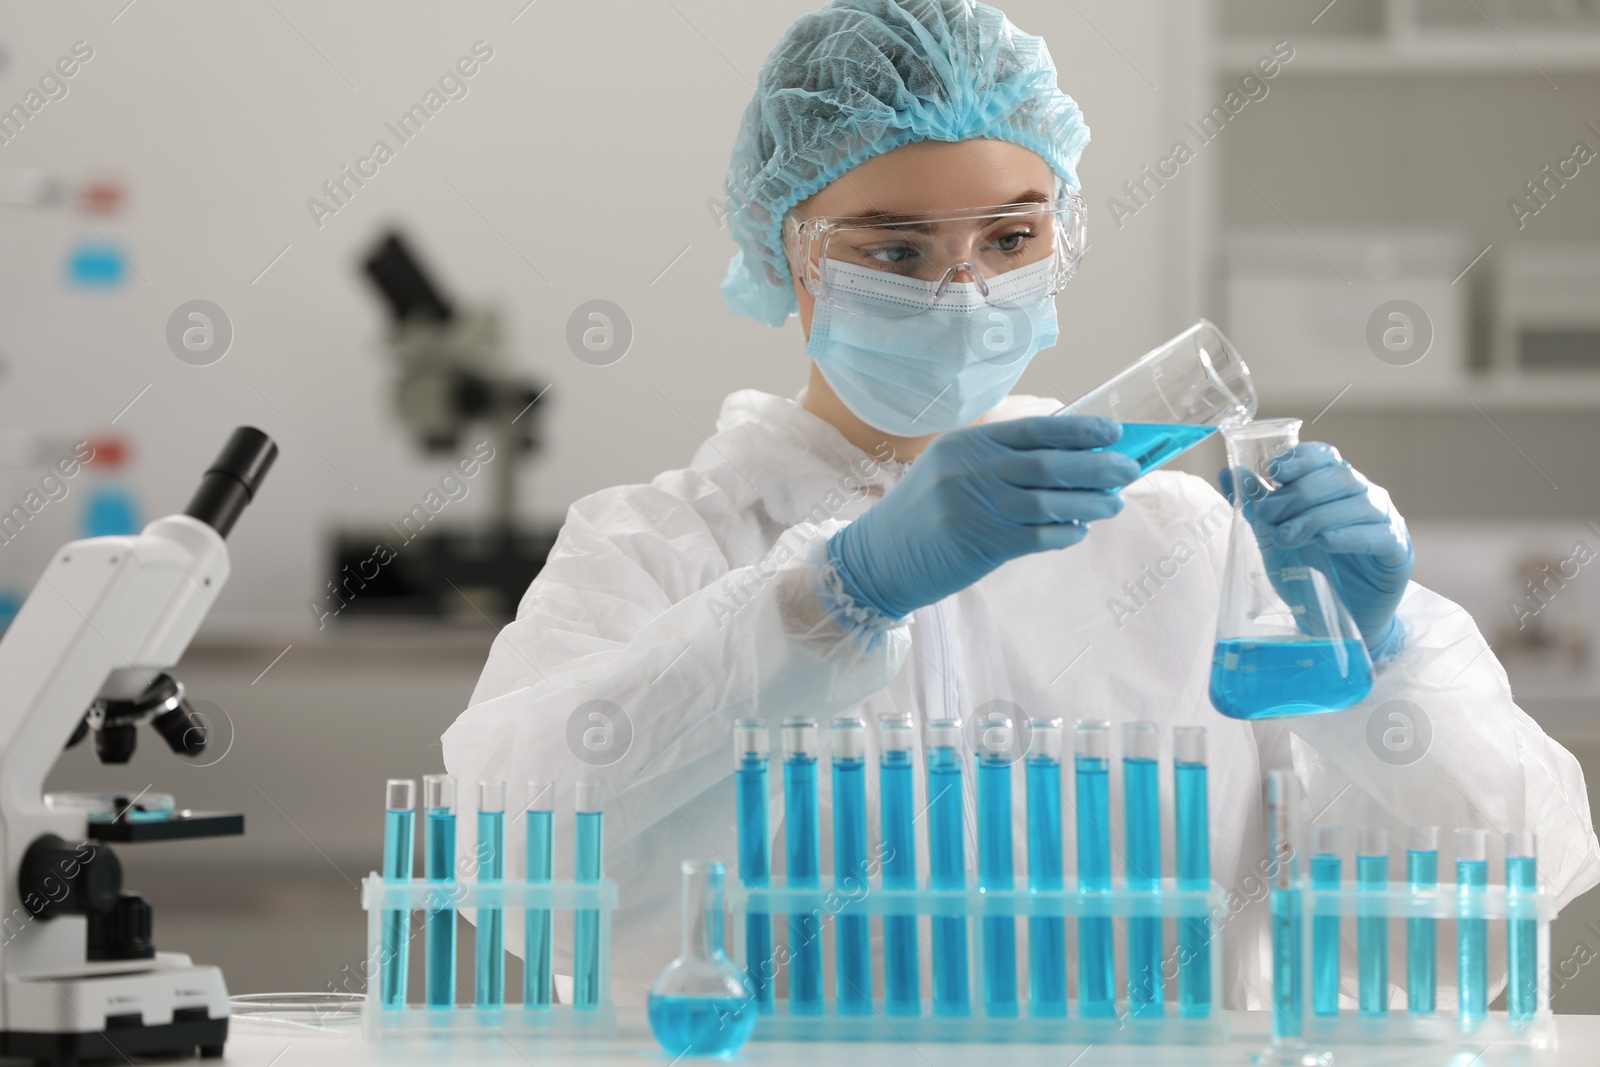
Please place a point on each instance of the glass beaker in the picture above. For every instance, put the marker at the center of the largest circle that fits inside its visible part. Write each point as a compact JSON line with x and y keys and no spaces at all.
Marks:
{"x":701,"y":1004}
{"x":1286,"y":644}
{"x":1174,"y":396}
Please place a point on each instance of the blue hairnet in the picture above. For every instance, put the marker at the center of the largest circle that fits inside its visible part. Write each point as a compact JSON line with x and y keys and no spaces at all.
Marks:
{"x":861,"y":77}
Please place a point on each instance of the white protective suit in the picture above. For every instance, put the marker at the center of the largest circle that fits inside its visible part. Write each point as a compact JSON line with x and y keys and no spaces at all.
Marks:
{"x":693,"y":600}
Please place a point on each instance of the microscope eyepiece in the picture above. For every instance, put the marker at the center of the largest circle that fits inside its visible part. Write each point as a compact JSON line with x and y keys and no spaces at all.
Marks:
{"x":232,"y":479}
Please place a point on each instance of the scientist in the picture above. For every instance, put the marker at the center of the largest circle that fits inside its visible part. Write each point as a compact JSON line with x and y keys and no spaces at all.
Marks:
{"x":906,"y":535}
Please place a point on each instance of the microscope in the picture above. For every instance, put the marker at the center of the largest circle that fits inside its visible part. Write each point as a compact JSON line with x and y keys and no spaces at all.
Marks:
{"x":450,"y":377}
{"x":87,"y":654}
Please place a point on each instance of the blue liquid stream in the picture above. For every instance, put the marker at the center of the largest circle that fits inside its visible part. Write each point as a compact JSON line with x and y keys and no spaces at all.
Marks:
{"x":1372,"y":940}
{"x":1150,"y":444}
{"x":1522,"y":989}
{"x":702,"y":1026}
{"x":586,"y":922}
{"x":1472,"y":943}
{"x":802,"y":854}
{"x":1264,"y":678}
{"x":947,"y":870}
{"x":439,"y":854}
{"x":537,"y":975}
{"x":1047,"y":953}
{"x":897,"y":815}
{"x":1191,"y":822}
{"x":995,"y":871}
{"x":755,"y":869}
{"x":399,"y":845}
{"x":1141,"y":789}
{"x":490,"y":979}
{"x":1422,"y":935}
{"x":1096,"y":966}
{"x":1325,"y":874}
{"x":853,"y":956}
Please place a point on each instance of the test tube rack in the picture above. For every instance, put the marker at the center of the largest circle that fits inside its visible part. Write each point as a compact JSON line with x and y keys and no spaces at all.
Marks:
{"x":1445,"y":902}
{"x":974,"y":904}
{"x":513,"y":1019}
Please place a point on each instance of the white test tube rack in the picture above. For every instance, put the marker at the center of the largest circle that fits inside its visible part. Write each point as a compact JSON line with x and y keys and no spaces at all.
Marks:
{"x":1447,"y":904}
{"x":974,"y":904}
{"x":514,"y":1019}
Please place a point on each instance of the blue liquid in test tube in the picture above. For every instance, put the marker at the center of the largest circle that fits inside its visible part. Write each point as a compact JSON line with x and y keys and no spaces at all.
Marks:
{"x":853,"y":948}
{"x":590,"y":841}
{"x":1422,"y":935}
{"x":1284,"y":835}
{"x":537,"y":973}
{"x":1047,"y":950}
{"x":1096,"y":966}
{"x":439,"y":856}
{"x":490,"y":985}
{"x":1326,"y":845}
{"x":897,"y":815}
{"x":802,"y":853}
{"x":1472,"y":935}
{"x":751,"y":744}
{"x":1141,"y":797}
{"x":947,"y":865}
{"x":399,"y":846}
{"x":996,"y":748}
{"x":1192,"y":826}
{"x":1372,"y":931}
{"x":1522,"y":955}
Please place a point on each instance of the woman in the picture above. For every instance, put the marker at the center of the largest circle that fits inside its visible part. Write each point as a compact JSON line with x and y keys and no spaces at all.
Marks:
{"x":905,"y":536}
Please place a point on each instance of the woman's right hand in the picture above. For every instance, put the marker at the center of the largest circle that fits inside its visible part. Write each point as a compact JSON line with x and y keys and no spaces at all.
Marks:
{"x":977,"y":497}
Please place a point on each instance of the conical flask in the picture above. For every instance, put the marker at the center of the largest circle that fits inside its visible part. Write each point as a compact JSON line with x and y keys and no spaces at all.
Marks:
{"x":1286,"y":644}
{"x":701,"y":1004}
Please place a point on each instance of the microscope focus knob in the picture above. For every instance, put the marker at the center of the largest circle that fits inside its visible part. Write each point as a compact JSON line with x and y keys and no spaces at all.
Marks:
{"x":58,"y":878}
{"x":123,"y":933}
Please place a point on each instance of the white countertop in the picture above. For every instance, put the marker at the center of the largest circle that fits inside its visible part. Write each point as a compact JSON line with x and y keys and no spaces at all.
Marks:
{"x":257,"y":1044}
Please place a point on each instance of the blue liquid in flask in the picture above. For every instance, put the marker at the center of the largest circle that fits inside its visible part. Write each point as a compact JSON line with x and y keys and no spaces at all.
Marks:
{"x":702,"y":1026}
{"x":1262,"y":678}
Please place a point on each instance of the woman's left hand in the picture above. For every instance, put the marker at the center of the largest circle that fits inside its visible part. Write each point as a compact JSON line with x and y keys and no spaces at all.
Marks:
{"x":1321,"y":498}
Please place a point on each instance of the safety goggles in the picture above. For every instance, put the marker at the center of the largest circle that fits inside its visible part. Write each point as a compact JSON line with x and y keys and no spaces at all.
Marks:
{"x":912,"y":260}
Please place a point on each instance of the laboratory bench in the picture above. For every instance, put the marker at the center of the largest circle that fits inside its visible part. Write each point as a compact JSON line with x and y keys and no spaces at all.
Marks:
{"x":261,"y":1044}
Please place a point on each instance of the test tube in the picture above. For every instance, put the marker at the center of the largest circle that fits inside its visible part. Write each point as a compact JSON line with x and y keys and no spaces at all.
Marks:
{"x":490,"y":985}
{"x":399,"y":846}
{"x":439,"y":854}
{"x":751,"y":744}
{"x":1141,"y":798}
{"x":1284,"y":814}
{"x":1047,"y":951}
{"x":1326,"y":844}
{"x":1372,"y":931}
{"x":801,"y":849}
{"x":947,"y":865}
{"x":1192,"y":822}
{"x":590,"y":842}
{"x":1472,"y":934}
{"x":1522,"y":956}
{"x":995,"y":864}
{"x":897,"y":815}
{"x":1091,"y":742}
{"x":1422,"y":935}
{"x":853,"y":945}
{"x":537,"y":973}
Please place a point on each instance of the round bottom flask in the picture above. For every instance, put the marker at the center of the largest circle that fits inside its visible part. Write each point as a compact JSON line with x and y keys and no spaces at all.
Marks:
{"x":701,"y":1004}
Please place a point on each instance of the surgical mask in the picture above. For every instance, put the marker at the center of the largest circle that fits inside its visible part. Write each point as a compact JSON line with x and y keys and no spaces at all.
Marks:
{"x":941,"y":368}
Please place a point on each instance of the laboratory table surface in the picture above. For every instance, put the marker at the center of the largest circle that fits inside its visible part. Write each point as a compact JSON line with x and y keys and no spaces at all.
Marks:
{"x":259,"y":1044}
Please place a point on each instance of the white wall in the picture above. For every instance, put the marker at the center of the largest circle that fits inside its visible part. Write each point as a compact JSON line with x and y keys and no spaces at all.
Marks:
{"x":578,"y":166}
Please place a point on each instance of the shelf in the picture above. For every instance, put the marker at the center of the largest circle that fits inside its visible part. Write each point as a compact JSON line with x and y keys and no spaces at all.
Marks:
{"x":1534,"y":53}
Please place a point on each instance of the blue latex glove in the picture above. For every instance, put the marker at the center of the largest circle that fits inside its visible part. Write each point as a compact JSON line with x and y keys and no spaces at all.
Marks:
{"x":977,"y":497}
{"x":1322,"y":500}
